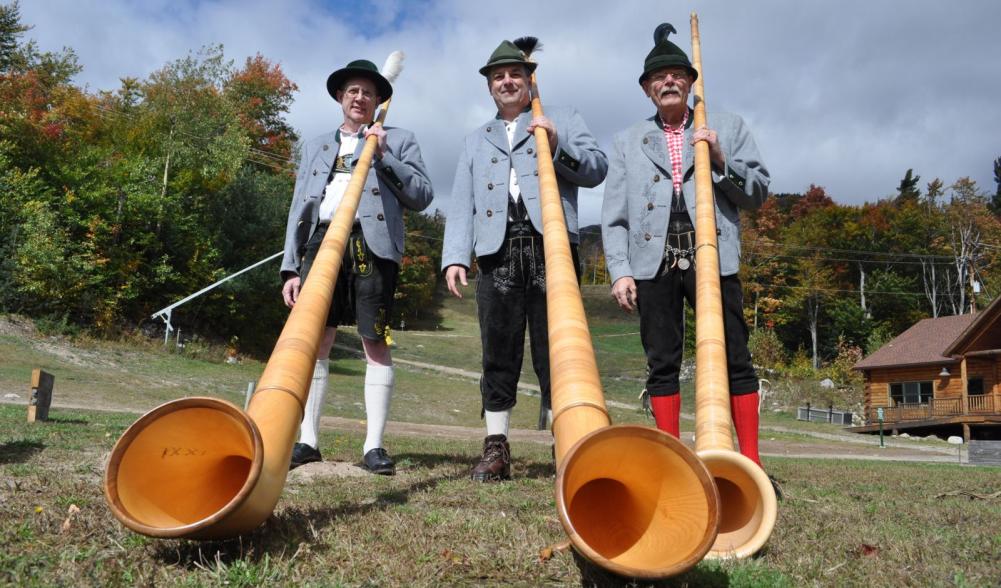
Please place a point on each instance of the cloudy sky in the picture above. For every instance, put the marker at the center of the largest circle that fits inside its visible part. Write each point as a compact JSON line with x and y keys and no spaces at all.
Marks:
{"x":847,"y":95}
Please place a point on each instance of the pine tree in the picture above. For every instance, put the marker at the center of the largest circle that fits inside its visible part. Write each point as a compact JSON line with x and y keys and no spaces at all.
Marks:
{"x":995,"y":204}
{"x":10,"y":29}
{"x":908,"y":188}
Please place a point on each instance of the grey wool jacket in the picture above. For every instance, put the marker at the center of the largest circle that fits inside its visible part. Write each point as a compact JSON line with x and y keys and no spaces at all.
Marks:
{"x":638,"y":191}
{"x":396,"y":181}
{"x":477,"y":212}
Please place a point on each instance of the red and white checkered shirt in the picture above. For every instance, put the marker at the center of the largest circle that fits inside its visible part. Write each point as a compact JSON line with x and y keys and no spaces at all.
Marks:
{"x":675,"y":143}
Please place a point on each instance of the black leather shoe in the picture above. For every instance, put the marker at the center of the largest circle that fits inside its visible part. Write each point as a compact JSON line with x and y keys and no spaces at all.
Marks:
{"x":378,"y":461}
{"x":303,"y":454}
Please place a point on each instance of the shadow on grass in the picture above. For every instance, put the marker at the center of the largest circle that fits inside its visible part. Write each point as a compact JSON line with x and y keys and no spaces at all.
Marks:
{"x":282,"y":534}
{"x":60,"y":421}
{"x":593,"y":576}
{"x":19,"y":451}
{"x":519,"y":468}
{"x":432,"y":460}
{"x":535,"y":470}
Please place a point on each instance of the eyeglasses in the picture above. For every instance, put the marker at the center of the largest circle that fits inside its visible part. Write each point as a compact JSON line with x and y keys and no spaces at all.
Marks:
{"x":662,"y":76}
{"x":355,"y":91}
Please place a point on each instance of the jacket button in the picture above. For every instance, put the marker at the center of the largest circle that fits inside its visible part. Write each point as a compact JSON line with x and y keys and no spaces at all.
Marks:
{"x":649,"y":206}
{"x":490,"y":186}
{"x":529,"y":150}
{"x":645,"y":140}
{"x":380,"y":217}
{"x":493,"y":160}
{"x":325,"y":147}
{"x":314,"y":172}
{"x":656,"y":178}
{"x":375,"y":191}
{"x":489,"y":129}
{"x":647,"y":236}
{"x":536,"y":172}
{"x":490,"y":213}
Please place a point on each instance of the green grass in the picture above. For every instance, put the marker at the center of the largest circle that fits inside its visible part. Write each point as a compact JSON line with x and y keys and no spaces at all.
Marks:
{"x":842,"y":523}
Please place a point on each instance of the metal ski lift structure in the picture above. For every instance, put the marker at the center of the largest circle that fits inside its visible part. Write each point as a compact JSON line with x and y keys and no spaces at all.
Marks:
{"x":165,"y":313}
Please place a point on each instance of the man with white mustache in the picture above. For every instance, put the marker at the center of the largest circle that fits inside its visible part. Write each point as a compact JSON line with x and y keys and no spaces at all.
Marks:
{"x":649,"y":236}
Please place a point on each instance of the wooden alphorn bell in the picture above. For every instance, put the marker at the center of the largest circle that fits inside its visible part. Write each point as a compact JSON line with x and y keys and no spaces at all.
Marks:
{"x":747,"y":498}
{"x":633,"y":500}
{"x":201,"y":468}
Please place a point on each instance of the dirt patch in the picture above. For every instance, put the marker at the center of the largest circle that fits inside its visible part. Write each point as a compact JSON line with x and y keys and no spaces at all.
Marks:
{"x":17,"y":326}
{"x":305,"y":474}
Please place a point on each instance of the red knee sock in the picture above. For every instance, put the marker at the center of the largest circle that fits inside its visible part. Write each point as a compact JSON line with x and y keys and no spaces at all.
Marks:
{"x":744,"y":409}
{"x":667,"y":411}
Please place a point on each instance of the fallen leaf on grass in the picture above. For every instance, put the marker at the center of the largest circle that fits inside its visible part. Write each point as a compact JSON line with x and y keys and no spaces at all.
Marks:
{"x":547,"y":553}
{"x":867,"y":550}
{"x":452,"y":557}
{"x":72,"y":510}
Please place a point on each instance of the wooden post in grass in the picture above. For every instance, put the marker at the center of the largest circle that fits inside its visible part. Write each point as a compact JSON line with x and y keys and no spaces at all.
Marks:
{"x":41,"y":395}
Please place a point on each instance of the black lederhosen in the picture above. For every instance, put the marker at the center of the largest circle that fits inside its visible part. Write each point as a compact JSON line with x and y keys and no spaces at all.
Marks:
{"x":661,"y":303}
{"x":510,"y":291}
{"x":365,"y":285}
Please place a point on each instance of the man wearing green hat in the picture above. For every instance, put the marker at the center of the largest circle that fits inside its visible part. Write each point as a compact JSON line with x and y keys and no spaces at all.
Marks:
{"x":494,"y":214}
{"x":648,"y":234}
{"x":367,"y":279}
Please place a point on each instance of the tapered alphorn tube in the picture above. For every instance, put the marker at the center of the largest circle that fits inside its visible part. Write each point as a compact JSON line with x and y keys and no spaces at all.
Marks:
{"x":633,"y":500}
{"x":747,"y":499}
{"x":201,"y":468}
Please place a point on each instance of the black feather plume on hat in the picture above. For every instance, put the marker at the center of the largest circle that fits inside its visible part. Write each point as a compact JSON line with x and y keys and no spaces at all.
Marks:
{"x":528,"y":45}
{"x":661,"y":33}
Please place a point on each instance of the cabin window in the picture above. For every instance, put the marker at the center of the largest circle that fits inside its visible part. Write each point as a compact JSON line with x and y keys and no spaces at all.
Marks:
{"x":911,"y":393}
{"x":975,"y":385}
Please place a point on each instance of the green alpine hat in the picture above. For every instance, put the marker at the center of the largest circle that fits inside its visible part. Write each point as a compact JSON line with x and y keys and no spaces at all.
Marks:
{"x":666,"y":54}
{"x":360,"y":68}
{"x":504,"y":54}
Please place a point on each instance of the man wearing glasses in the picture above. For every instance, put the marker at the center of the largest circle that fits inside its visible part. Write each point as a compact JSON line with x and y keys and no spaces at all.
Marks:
{"x":367,"y":279}
{"x":649,"y":236}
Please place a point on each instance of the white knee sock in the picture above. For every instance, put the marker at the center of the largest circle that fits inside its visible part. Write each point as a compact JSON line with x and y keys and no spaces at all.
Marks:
{"x":379,"y":381}
{"x":498,"y":423}
{"x":314,"y":404}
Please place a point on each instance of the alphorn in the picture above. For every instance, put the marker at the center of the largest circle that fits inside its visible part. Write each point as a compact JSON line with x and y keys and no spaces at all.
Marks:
{"x":633,"y":500}
{"x":747,"y":498}
{"x":201,"y":468}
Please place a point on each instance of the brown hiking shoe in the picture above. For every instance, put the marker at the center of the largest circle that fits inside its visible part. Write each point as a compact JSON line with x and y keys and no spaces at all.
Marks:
{"x":495,"y":465}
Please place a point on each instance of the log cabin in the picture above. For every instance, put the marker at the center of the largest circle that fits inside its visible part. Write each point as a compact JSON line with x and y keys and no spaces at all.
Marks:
{"x":940,"y":377}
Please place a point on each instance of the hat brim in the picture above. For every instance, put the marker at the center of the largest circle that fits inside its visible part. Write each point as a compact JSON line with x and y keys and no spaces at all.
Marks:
{"x":691,"y":70}
{"x":337,"y":80}
{"x":529,"y":65}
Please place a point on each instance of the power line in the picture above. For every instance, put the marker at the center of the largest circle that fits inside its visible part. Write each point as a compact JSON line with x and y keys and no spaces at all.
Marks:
{"x":919,"y":256}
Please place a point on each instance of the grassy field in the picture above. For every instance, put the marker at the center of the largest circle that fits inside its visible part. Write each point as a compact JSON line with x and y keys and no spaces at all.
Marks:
{"x":841,"y":524}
